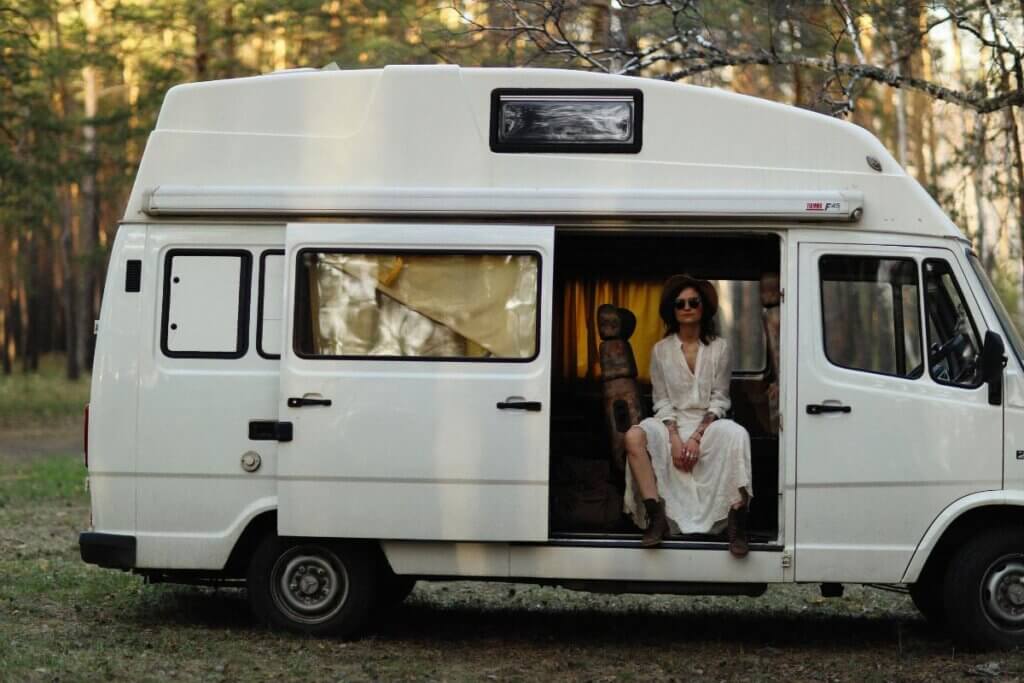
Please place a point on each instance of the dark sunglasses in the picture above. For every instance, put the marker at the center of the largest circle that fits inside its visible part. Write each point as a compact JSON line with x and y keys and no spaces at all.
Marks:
{"x":681,"y":304}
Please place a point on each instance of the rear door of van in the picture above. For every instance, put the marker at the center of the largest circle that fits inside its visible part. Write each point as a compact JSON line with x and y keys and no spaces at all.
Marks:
{"x":415,"y":381}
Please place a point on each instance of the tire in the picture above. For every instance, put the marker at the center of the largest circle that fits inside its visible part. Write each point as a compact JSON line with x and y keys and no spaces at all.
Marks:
{"x":984,"y":593}
{"x":393,"y":588}
{"x":927,"y":595}
{"x":312,"y":586}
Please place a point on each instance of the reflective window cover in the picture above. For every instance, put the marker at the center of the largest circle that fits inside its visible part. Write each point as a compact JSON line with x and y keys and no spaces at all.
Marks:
{"x":594,"y":121}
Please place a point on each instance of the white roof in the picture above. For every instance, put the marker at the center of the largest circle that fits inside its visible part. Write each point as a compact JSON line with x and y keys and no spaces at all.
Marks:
{"x":415,"y":139}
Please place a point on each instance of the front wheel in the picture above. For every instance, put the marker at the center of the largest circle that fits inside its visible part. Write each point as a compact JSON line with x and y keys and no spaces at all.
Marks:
{"x":311,"y":586}
{"x":984,"y":591}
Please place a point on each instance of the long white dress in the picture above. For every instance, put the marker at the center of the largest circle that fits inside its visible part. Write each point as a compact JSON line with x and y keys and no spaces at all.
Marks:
{"x":696,"y":501}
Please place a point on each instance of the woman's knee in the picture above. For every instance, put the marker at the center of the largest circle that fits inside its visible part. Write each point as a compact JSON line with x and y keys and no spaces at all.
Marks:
{"x":636,"y":440}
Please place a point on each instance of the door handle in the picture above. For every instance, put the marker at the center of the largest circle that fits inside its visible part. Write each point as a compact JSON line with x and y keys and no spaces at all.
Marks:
{"x":294,"y":402}
{"x":819,"y":408}
{"x":519,"y":405}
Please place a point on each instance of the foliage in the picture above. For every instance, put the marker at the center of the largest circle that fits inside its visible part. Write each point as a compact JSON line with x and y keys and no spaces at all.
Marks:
{"x":81,"y":83}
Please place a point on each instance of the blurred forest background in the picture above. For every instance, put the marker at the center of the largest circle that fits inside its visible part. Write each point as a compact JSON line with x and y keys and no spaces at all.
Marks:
{"x":81,"y":82}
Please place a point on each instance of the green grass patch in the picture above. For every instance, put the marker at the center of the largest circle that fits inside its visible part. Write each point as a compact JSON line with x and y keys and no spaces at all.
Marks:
{"x":57,"y":478}
{"x":38,"y":398}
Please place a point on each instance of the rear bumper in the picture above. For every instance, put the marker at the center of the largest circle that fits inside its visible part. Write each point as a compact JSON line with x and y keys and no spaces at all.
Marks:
{"x":114,"y":551}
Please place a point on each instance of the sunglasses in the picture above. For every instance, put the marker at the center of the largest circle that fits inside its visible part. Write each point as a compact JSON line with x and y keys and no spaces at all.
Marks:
{"x":683,"y":304}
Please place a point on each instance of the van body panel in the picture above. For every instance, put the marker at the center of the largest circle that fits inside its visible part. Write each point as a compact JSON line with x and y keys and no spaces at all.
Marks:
{"x":946,"y":518}
{"x":527,"y":561}
{"x":208,"y":550}
{"x":867,"y":490}
{"x":414,"y":448}
{"x":309,"y":132}
{"x":115,"y":383}
{"x":448,"y":559}
{"x":194,"y":412}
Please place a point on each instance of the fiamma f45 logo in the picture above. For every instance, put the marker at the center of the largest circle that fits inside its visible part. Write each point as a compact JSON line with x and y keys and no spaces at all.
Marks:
{"x":823,"y":207}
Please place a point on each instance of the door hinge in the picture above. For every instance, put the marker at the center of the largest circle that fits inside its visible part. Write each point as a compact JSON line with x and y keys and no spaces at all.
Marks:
{"x":270,"y":430}
{"x":782,"y":294}
{"x":781,"y":422}
{"x":787,"y":560}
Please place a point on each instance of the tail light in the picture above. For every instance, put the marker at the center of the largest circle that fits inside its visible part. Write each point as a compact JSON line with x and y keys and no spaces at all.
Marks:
{"x":85,"y":436}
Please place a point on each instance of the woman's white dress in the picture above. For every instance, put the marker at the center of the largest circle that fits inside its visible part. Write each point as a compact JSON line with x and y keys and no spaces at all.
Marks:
{"x":696,"y":501}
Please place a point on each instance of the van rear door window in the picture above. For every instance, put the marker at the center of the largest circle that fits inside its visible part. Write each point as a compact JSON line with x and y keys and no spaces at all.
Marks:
{"x":470,"y":306}
{"x":206,"y":304}
{"x":871,"y":314}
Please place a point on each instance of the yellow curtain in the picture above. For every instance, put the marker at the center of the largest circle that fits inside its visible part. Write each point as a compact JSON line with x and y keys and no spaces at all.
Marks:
{"x":580,"y":339}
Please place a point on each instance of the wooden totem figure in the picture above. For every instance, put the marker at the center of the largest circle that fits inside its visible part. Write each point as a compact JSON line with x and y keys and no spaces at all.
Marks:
{"x":771,"y":318}
{"x":622,"y":405}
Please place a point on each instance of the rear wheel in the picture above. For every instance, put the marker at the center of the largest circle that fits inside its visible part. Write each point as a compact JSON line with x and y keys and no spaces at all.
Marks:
{"x":984,"y":591}
{"x":311,"y":586}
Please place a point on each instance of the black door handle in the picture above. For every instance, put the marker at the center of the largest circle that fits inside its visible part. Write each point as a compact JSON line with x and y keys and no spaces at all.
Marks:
{"x":299,"y":402}
{"x":819,"y":408}
{"x":519,"y":405}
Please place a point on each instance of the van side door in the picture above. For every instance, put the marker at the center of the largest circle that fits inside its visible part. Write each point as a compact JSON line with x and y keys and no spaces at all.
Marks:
{"x":415,"y":377}
{"x":893,"y":422}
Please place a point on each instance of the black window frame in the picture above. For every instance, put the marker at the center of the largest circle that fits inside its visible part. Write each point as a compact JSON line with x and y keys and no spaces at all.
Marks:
{"x":244,"y":303}
{"x":633,"y":147}
{"x":897,"y":316}
{"x":970,"y":318}
{"x":259,"y":303}
{"x":304,"y":306}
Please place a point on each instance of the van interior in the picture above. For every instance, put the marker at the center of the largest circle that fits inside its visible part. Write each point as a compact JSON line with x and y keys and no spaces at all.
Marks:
{"x":627,"y":269}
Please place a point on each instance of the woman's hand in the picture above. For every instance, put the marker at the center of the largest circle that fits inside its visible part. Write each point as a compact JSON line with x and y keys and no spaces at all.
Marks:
{"x":676,"y":447}
{"x":690,"y":454}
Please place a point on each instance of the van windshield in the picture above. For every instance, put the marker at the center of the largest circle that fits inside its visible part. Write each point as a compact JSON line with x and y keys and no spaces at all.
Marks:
{"x":1016,"y":343}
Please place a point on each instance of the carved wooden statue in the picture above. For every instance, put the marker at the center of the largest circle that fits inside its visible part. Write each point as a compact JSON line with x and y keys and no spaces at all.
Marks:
{"x":618,"y":376}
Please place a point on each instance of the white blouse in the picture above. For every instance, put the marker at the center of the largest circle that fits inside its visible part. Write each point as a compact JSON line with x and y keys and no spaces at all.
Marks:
{"x":686,"y":396}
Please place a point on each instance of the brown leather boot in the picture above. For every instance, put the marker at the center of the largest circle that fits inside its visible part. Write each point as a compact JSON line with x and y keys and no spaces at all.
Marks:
{"x":657,"y":527}
{"x":737,"y":532}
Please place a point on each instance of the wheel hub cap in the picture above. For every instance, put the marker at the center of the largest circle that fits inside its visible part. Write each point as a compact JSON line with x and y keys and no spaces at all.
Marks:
{"x":309,"y":585}
{"x":1003,"y":591}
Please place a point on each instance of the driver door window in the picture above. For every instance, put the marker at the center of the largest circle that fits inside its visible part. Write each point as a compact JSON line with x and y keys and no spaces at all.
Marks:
{"x":953,"y":344}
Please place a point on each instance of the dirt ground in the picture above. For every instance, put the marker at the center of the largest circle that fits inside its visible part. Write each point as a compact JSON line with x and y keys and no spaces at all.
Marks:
{"x":63,"y":620}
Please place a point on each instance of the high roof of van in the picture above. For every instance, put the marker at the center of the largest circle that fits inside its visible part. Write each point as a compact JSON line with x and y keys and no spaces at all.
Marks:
{"x":416,"y":139}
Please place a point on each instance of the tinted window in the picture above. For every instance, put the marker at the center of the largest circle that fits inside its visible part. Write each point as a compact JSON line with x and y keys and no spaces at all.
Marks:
{"x":871,"y":315}
{"x":953,"y":345}
{"x":268,"y":337}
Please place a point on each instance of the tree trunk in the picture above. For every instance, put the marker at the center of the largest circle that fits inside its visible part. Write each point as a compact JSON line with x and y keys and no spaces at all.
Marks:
{"x":89,"y":227}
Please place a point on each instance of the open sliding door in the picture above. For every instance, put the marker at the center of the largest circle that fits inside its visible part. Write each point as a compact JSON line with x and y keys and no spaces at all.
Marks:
{"x":416,"y":379}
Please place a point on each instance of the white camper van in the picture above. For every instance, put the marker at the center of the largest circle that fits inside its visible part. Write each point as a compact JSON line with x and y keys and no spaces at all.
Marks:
{"x":348,"y":341}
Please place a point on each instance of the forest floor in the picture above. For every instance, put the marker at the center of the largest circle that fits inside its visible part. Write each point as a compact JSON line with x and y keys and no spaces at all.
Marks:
{"x":61,"y":619}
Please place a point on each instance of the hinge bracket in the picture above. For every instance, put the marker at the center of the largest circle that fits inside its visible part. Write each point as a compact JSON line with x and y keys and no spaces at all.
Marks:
{"x":787,"y":560}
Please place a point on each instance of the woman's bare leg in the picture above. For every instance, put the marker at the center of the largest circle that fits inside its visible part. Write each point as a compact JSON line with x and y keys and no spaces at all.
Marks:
{"x":640,"y":463}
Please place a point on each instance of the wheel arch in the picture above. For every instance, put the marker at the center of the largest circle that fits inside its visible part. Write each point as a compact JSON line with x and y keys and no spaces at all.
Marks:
{"x":960,"y":522}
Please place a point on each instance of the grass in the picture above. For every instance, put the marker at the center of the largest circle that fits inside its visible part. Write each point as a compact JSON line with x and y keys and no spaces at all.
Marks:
{"x":43,"y":397}
{"x":64,"y":620}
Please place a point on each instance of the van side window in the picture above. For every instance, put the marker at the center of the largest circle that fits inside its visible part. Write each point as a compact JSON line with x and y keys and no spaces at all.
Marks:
{"x":472,"y":306}
{"x":953,"y":342}
{"x":206,"y":303}
{"x":871,"y":314}
{"x":268,"y":321}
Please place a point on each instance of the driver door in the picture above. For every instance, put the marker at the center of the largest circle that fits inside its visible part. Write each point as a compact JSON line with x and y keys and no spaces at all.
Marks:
{"x":893,"y":422}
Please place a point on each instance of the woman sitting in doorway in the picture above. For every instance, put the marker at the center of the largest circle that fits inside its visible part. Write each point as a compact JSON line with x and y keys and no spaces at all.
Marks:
{"x":690,"y":466}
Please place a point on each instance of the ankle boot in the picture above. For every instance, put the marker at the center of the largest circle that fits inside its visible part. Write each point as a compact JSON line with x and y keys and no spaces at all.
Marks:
{"x":657,"y":527}
{"x":737,"y":532}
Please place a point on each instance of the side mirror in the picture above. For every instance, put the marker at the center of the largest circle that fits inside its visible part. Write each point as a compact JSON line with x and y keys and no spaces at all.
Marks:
{"x":993,"y":360}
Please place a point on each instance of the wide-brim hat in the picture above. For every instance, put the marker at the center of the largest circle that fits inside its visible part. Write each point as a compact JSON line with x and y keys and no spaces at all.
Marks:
{"x":708,"y":295}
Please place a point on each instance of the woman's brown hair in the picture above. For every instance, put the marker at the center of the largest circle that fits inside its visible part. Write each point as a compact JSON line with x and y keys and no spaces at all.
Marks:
{"x":708,"y":309}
